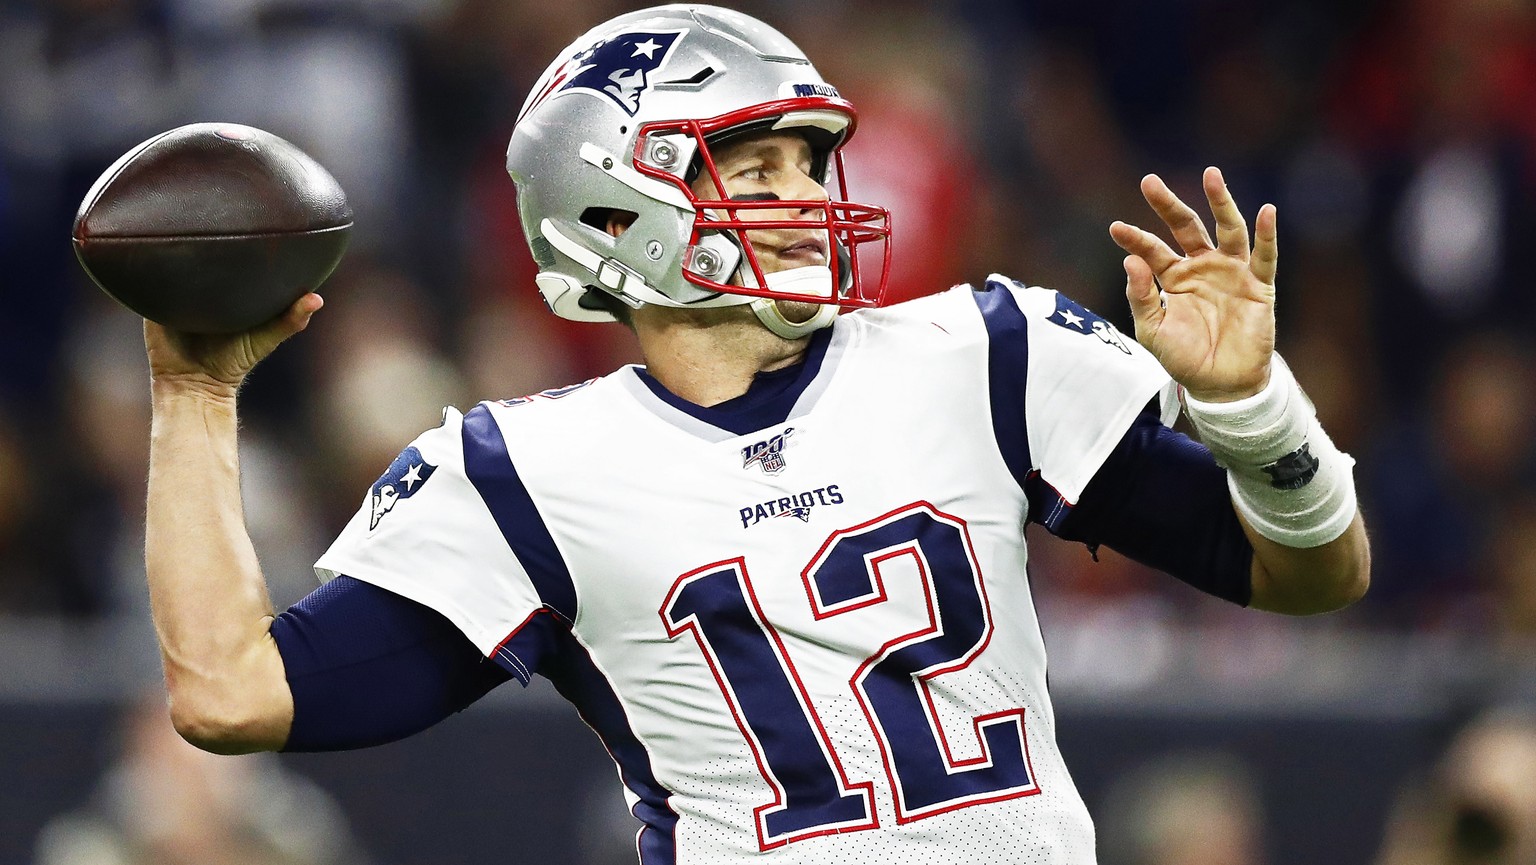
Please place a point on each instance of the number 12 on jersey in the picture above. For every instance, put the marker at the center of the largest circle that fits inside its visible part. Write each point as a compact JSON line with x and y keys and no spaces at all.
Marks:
{"x":812,"y":793}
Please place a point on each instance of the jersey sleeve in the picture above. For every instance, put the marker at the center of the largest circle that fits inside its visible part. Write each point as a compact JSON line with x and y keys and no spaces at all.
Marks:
{"x":366,"y":666}
{"x":1065,"y":385}
{"x":425,"y":532}
{"x":1161,"y":499}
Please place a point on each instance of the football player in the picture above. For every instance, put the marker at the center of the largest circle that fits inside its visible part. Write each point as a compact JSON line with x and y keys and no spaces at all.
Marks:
{"x":780,"y":568}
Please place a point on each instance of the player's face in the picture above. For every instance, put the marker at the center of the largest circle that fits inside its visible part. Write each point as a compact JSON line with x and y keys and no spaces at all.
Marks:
{"x":773,"y":165}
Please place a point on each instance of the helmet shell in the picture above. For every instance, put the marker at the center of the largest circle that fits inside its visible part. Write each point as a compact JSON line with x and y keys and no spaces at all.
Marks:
{"x":573,"y":153}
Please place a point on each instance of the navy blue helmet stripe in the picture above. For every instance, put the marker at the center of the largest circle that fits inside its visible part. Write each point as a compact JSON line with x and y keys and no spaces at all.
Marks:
{"x":1007,"y":374}
{"x":489,"y":467}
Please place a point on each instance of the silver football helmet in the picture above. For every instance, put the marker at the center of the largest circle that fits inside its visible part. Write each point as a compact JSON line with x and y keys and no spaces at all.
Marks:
{"x":622,"y":122}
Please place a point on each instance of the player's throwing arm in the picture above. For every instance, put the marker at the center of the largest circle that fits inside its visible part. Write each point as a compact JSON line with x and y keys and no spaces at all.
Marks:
{"x":1208,"y":316}
{"x":217,"y":234}
{"x":211,"y":611}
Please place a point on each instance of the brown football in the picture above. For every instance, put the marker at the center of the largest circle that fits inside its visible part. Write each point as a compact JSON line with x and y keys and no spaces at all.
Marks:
{"x":212,"y":227}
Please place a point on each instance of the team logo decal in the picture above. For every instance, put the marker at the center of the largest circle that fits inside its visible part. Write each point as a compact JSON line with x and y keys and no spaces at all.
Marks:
{"x":407,"y":474}
{"x":810,"y":89}
{"x":618,"y":68}
{"x":768,"y":455}
{"x":1080,"y":319}
{"x":798,"y":506}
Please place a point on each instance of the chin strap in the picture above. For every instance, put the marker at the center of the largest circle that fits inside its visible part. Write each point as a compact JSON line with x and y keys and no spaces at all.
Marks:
{"x":768,"y":313}
{"x":814,"y":282}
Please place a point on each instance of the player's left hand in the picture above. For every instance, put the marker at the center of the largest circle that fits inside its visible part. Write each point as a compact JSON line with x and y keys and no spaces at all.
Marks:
{"x":1212,"y":325}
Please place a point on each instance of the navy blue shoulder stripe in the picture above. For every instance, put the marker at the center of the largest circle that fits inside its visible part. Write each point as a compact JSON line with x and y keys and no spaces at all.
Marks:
{"x":491,"y":470}
{"x":1007,"y":374}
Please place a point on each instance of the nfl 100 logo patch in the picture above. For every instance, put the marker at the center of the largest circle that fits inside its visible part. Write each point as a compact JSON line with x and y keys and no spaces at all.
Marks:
{"x":767,"y":455}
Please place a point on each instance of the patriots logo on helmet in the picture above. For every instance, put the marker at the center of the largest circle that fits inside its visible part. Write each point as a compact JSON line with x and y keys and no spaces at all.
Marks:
{"x":618,"y":68}
{"x":407,"y":474}
{"x":1079,"y":319}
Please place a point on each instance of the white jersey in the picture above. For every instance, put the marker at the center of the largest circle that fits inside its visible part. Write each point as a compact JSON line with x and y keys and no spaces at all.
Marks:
{"x":803,"y":629}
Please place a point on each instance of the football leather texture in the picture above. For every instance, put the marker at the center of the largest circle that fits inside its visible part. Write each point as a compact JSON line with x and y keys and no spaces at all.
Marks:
{"x":212,"y":227}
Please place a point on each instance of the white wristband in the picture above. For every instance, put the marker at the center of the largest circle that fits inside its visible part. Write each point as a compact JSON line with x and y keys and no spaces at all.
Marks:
{"x":1287,"y":478}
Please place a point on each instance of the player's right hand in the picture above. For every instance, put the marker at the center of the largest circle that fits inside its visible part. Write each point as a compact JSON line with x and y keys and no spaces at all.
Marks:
{"x":217,"y":363}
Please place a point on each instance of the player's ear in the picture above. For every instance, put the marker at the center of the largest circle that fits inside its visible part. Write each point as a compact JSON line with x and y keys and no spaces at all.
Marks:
{"x":619,"y":221}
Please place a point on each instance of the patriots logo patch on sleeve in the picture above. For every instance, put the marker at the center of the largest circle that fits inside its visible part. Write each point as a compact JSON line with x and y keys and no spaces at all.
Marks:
{"x":407,"y":474}
{"x":1079,"y":319}
{"x":618,"y":68}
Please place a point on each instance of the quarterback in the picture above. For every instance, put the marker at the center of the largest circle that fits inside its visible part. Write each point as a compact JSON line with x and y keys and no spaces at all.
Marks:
{"x":780,"y":568}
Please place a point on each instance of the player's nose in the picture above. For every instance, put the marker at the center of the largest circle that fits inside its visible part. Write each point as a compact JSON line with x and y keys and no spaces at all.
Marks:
{"x":803,"y":187}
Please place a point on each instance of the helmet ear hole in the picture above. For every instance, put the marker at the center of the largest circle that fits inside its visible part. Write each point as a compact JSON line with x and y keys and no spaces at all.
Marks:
{"x":610,"y":219}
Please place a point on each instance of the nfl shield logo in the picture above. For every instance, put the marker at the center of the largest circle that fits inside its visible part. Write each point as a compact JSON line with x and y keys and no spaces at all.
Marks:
{"x":768,"y":455}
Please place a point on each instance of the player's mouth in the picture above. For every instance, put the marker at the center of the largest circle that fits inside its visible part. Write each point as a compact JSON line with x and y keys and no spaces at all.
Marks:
{"x":804,"y":252}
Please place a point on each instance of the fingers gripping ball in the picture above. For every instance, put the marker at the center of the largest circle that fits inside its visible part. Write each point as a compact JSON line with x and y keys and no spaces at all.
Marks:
{"x":212,"y":227}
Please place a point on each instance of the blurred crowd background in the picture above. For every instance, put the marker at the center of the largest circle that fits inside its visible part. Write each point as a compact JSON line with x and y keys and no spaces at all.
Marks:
{"x":1396,"y":137}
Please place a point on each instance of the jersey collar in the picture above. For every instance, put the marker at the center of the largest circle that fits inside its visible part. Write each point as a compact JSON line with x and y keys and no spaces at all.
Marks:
{"x":772,"y":399}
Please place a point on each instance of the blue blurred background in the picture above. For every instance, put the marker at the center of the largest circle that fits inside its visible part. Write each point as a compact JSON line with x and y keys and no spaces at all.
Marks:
{"x":1396,"y":137}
